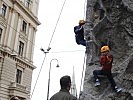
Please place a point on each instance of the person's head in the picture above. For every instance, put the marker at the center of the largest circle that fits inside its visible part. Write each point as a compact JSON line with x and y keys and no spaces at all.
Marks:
{"x":81,"y":22}
{"x":105,"y":49}
{"x":15,"y":98}
{"x":65,"y":82}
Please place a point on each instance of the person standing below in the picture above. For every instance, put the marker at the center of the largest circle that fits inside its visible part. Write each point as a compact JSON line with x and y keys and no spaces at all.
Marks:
{"x":79,"y":33}
{"x":63,"y":94}
{"x":15,"y":98}
{"x":106,"y":61}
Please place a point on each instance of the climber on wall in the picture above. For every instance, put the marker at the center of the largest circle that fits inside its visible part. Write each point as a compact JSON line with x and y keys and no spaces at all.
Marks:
{"x":106,"y":66}
{"x":79,"y":33}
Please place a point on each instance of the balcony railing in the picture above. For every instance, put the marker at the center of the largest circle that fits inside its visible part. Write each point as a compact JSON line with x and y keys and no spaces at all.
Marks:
{"x":17,"y":87}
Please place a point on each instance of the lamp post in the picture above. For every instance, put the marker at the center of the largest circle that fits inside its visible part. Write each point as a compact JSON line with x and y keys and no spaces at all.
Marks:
{"x":49,"y":76}
{"x":45,"y":52}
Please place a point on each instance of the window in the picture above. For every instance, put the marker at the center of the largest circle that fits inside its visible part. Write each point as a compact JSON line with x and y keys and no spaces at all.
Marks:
{"x":21,"y":48}
{"x":18,"y":76}
{"x":1,"y":32}
{"x":24,"y":25}
{"x":3,"y":12}
{"x":28,"y":3}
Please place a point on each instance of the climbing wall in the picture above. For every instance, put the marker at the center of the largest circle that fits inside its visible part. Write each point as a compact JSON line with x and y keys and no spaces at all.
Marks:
{"x":109,"y":22}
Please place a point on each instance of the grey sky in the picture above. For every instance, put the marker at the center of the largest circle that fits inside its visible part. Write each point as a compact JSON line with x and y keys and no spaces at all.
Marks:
{"x":63,"y":45}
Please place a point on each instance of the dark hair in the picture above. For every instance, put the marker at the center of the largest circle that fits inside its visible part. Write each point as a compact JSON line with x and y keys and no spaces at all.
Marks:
{"x":65,"y":81}
{"x":14,"y":98}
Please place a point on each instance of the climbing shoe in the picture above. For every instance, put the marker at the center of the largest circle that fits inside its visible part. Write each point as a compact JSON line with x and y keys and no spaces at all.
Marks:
{"x":97,"y":82}
{"x":117,"y":89}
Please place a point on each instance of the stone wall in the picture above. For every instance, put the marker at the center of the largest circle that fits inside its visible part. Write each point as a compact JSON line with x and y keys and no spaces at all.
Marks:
{"x":109,"y":22}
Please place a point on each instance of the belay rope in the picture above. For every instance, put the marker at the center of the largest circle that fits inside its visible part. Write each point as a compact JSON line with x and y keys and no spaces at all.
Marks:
{"x":82,"y":75}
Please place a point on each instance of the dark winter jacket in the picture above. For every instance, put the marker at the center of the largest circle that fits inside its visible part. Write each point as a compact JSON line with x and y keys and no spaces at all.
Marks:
{"x":63,"y":95}
{"x":79,"y":32}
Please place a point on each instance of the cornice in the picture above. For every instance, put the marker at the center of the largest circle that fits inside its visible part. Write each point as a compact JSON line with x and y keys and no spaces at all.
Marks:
{"x":19,"y":60}
{"x":25,"y":10}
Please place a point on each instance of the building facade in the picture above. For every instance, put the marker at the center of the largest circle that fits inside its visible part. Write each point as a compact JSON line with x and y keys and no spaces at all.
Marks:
{"x":18,"y":26}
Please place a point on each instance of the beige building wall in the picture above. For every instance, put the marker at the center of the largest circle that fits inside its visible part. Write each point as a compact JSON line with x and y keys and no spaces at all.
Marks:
{"x":18,"y":26}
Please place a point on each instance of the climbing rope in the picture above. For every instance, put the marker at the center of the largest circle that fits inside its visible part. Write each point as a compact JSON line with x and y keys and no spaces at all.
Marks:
{"x":82,"y":75}
{"x":85,"y":9}
{"x":47,"y":49}
{"x":38,"y":75}
{"x":126,"y":60}
{"x":57,"y":23}
{"x":122,"y":64}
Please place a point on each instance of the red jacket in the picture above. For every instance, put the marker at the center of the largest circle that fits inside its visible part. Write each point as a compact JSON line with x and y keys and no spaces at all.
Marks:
{"x":106,"y":62}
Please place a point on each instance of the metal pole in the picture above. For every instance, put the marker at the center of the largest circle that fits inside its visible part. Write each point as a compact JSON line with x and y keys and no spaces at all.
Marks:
{"x":49,"y":77}
{"x":39,"y":70}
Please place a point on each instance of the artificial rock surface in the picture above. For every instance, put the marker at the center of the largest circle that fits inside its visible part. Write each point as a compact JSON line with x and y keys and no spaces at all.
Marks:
{"x":109,"y":22}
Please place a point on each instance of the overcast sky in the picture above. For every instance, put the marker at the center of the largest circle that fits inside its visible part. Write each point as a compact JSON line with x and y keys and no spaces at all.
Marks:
{"x":63,"y":45}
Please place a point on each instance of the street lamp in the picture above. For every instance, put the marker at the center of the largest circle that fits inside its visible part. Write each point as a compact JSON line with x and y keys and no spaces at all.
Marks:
{"x":49,"y":76}
{"x":45,"y":52}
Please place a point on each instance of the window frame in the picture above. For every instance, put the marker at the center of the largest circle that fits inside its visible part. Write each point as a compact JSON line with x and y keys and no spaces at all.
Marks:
{"x":3,"y":10}
{"x":1,"y":30}
{"x":24,"y":26}
{"x":28,"y":3}
{"x":21,"y":48}
{"x":19,"y":76}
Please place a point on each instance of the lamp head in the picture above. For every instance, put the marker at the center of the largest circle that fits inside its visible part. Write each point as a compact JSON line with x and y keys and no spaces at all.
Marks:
{"x":42,"y":49}
{"x":57,"y":65}
{"x":49,"y":48}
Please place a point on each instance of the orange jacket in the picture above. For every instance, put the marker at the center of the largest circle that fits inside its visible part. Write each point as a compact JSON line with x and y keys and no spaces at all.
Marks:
{"x":106,"y":62}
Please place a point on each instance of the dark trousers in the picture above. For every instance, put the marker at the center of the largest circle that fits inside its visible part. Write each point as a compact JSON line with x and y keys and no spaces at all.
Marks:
{"x":96,"y":73}
{"x":80,"y":41}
